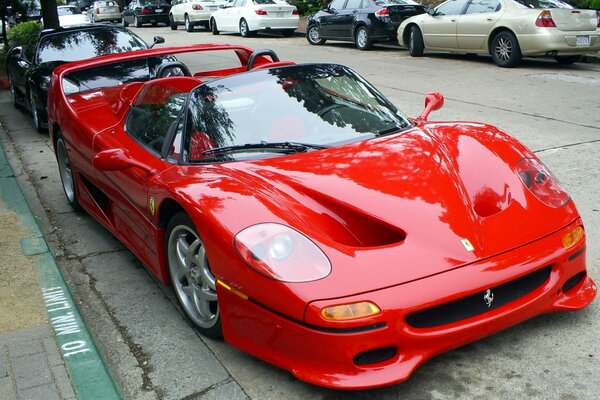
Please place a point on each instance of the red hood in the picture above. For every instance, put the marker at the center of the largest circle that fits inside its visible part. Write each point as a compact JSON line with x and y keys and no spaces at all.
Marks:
{"x":397,"y":208}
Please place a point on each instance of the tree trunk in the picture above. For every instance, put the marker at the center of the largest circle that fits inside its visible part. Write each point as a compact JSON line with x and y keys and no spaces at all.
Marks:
{"x":49,"y":14}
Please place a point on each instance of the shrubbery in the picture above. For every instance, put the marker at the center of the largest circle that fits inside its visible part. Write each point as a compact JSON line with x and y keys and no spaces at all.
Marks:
{"x":307,"y":7}
{"x":24,"y":34}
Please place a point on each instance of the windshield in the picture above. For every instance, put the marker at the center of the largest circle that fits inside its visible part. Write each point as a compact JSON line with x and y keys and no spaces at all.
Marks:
{"x":317,"y":105}
{"x":544,"y":4}
{"x":399,"y":2}
{"x":66,"y":11}
{"x":82,"y":44}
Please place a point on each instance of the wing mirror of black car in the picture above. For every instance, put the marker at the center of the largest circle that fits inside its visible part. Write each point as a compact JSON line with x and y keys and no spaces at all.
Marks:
{"x":433,"y":101}
{"x":118,"y":160}
{"x":157,"y":40}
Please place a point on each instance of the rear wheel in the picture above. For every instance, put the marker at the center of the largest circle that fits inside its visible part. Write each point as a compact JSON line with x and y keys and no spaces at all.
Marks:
{"x":93,"y":19}
{"x":172,"y":23}
{"x":189,"y":27}
{"x":415,"y":42}
{"x":244,"y":30}
{"x":565,"y":60}
{"x":35,"y":112}
{"x":506,"y":52}
{"x":12,"y":92}
{"x":363,"y":39}
{"x":213,"y":27}
{"x":137,"y":22}
{"x":66,"y":173}
{"x":124,"y":22}
{"x":193,"y":281}
{"x":314,"y":36}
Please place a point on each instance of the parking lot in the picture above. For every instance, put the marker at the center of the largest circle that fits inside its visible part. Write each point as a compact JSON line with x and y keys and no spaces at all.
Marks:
{"x":152,"y":353}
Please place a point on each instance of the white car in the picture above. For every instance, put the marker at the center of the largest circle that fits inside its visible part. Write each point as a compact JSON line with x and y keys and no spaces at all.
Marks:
{"x":106,"y":10}
{"x":249,"y":16}
{"x":70,"y":15}
{"x":191,"y":13}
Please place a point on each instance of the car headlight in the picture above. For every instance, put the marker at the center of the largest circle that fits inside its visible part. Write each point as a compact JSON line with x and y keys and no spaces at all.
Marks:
{"x":540,"y":181}
{"x":281,"y":253}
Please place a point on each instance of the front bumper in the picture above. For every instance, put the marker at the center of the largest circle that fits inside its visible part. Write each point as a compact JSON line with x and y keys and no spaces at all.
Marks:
{"x":352,"y":358}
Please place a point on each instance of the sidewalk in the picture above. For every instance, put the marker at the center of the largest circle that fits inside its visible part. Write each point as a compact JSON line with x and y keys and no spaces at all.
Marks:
{"x":46,"y":351}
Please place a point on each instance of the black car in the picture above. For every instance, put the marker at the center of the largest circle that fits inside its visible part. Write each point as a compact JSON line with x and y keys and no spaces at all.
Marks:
{"x":29,"y":68}
{"x":140,"y":12}
{"x":361,"y":21}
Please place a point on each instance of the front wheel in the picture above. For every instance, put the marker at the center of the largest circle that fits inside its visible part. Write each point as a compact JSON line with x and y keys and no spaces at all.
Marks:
{"x":506,"y":52}
{"x":363,"y":39}
{"x":566,"y":60}
{"x":193,"y":281}
{"x":314,"y":36}
{"x":35,"y":113}
{"x":66,"y":173}
{"x":213,"y":27}
{"x":189,"y":27}
{"x":124,"y":22}
{"x":172,"y":23}
{"x":415,"y":42}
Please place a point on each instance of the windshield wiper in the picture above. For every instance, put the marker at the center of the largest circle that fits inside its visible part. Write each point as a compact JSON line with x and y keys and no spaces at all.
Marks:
{"x":395,"y":129}
{"x":277,"y":147}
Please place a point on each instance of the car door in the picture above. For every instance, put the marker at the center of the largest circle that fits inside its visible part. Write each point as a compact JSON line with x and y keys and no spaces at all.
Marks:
{"x":224,"y":18}
{"x":476,"y":24}
{"x":18,"y":66}
{"x":330,"y":21}
{"x":179,"y":9}
{"x":439,"y":29}
{"x":347,"y":17}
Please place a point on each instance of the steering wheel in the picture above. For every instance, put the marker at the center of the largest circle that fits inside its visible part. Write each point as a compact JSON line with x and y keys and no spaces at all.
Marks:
{"x":328,"y":108}
{"x":259,"y":53}
{"x":163,"y":69}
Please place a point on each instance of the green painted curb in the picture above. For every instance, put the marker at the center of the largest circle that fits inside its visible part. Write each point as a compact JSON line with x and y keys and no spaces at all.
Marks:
{"x":88,"y":374}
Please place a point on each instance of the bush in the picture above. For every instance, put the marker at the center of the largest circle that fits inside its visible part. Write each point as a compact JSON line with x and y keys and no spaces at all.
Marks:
{"x":307,"y":7}
{"x":24,"y":34}
{"x":593,"y":4}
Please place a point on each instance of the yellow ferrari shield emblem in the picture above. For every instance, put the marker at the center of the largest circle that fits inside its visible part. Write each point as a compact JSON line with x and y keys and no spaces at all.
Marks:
{"x":151,"y":205}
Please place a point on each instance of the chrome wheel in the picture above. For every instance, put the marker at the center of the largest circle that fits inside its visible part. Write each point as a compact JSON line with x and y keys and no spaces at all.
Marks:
{"x":362,"y":38}
{"x":503,"y":49}
{"x":66,"y":174}
{"x":12,"y":91}
{"x":34,"y":112}
{"x":244,"y":31}
{"x":313,"y":36}
{"x":194,"y":284}
{"x":188,"y":25}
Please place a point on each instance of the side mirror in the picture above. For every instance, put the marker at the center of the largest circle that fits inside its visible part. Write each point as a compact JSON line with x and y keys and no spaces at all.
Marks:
{"x":433,"y":101}
{"x":157,"y":40}
{"x":431,"y":11}
{"x":118,"y":160}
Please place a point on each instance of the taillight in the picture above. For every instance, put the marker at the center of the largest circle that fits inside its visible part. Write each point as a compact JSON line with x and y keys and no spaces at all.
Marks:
{"x":382,"y":12}
{"x":295,"y":12}
{"x":146,"y":11}
{"x":196,"y":7}
{"x":541,"y":183}
{"x":97,"y":11}
{"x":598,"y":18}
{"x":544,"y":20}
{"x":260,"y":12}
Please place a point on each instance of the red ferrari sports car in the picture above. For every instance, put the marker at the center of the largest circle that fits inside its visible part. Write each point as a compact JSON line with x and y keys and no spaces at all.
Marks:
{"x":301,"y":216}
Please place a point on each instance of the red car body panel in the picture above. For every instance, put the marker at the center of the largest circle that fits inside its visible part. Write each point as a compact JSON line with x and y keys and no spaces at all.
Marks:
{"x":390,"y":214}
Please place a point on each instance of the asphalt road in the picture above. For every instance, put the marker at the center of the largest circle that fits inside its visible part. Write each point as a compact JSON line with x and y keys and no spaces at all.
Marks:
{"x":153,"y":353}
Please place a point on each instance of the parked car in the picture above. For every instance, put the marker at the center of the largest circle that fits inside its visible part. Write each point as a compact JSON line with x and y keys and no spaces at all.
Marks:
{"x":191,"y":13}
{"x":105,"y":10}
{"x":70,"y":15}
{"x":282,"y":204}
{"x":29,"y":68}
{"x":247,"y":17}
{"x":508,"y":30}
{"x":28,"y":10}
{"x":363,"y":22}
{"x":140,"y":12}
{"x":84,"y":5}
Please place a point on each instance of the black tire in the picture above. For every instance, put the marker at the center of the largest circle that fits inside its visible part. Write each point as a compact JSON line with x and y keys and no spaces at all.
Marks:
{"x":415,"y":42}
{"x":65,"y":172}
{"x":213,"y":27}
{"x":244,"y":29}
{"x":288,"y":32}
{"x":362,"y":38}
{"x":203,"y":311}
{"x":313,"y":35}
{"x":137,"y":22}
{"x":172,"y":23}
{"x":124,"y":22}
{"x":35,"y":113}
{"x":566,"y":60}
{"x":189,"y":26}
{"x":505,"y":50}
{"x":93,"y":19}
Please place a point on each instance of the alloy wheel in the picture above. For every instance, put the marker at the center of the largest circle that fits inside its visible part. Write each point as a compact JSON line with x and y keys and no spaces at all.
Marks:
{"x":64,"y":169}
{"x":503,"y":49}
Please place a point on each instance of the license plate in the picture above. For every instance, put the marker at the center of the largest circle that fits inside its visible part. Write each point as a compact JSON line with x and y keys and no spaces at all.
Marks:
{"x":583,"y":41}
{"x":159,"y":10}
{"x":212,"y":8}
{"x":278,"y":14}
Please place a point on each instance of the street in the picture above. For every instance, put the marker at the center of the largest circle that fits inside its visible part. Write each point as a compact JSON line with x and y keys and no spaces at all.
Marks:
{"x":153,"y":353}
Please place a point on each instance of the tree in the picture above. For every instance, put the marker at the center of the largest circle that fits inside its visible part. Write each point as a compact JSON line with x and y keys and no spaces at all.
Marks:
{"x":49,"y":14}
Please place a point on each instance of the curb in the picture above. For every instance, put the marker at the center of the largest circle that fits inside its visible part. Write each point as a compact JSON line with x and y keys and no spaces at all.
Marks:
{"x":87,"y":371}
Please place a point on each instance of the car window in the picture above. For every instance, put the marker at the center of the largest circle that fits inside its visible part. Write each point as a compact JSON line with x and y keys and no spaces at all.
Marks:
{"x":400,"y":2}
{"x":451,"y":7}
{"x":483,"y":6}
{"x":544,"y":4}
{"x":155,"y":111}
{"x":66,"y":11}
{"x":337,"y":4}
{"x":260,"y":2}
{"x":353,"y":4}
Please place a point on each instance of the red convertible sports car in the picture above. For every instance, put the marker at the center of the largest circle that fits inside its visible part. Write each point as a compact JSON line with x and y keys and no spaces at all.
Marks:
{"x":301,"y":216}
